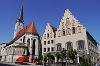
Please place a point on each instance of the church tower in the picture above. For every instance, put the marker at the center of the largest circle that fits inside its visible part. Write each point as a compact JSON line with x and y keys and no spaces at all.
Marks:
{"x":19,"y":22}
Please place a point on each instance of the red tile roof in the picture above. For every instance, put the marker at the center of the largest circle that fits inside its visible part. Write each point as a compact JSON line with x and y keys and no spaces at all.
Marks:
{"x":28,"y":29}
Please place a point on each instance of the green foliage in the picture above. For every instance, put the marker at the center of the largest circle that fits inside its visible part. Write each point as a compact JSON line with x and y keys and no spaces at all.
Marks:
{"x":58,"y":55}
{"x":40,"y":57}
{"x":52,"y":57}
{"x":63,"y":54}
{"x":71,"y":54}
{"x":85,"y":62}
{"x":49,"y":56}
{"x":45,"y":59}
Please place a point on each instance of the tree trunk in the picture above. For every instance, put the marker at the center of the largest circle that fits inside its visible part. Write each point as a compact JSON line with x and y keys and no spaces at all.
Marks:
{"x":66,"y":62}
{"x":62,"y":61}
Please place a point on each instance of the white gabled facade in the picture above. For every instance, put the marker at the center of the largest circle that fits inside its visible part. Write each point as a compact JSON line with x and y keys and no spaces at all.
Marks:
{"x":48,"y":40}
{"x":72,"y":34}
{"x":70,"y":30}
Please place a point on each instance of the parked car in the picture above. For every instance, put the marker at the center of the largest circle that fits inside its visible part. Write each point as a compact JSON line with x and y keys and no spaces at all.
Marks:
{"x":22,"y":59}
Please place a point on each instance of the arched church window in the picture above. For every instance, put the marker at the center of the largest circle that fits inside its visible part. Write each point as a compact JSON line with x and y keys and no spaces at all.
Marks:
{"x":33,"y":46}
{"x":69,"y":45}
{"x":80,"y":45}
{"x":28,"y":43}
{"x":24,"y":52}
{"x":24,"y":39}
{"x":73,"y":30}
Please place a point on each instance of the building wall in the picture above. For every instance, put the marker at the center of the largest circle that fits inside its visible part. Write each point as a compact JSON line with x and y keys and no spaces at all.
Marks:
{"x":9,"y":50}
{"x":31,"y":37}
{"x":67,"y":23}
{"x":49,"y":31}
{"x":2,"y":48}
{"x":93,"y":49}
{"x":65,"y":34}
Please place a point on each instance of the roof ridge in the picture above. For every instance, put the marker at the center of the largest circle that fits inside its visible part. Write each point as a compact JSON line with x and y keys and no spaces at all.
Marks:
{"x":30,"y":28}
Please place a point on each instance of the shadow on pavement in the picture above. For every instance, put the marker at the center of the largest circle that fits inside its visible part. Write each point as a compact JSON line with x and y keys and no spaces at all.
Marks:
{"x":23,"y":64}
{"x":1,"y":64}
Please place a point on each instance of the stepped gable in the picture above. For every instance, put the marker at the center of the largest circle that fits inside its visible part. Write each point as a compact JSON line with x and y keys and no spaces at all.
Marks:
{"x":28,"y":29}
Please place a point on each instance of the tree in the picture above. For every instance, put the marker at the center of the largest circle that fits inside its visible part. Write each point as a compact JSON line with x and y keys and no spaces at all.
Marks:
{"x":49,"y":57}
{"x":40,"y":58}
{"x":58,"y":55}
{"x":71,"y":54}
{"x":63,"y":55}
{"x":85,"y":62}
{"x":45,"y":59}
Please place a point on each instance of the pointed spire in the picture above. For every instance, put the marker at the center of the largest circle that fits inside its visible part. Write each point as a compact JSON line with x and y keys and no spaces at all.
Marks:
{"x":21,"y":13}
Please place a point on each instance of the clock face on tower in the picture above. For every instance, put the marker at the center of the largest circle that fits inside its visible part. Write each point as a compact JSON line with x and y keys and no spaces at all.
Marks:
{"x":67,"y":22}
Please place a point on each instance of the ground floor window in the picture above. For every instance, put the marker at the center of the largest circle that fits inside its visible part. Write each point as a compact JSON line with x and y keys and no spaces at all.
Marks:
{"x":69,"y":45}
{"x":59,"y":47}
{"x":80,"y":45}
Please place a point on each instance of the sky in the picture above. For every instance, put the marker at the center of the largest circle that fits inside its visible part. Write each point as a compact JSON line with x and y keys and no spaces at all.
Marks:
{"x":43,"y":11}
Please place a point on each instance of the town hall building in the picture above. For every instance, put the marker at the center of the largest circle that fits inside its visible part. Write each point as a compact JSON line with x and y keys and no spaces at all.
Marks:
{"x":69,"y":34}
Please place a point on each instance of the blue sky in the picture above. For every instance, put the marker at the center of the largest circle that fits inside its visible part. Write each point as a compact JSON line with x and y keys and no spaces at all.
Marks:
{"x":43,"y":11}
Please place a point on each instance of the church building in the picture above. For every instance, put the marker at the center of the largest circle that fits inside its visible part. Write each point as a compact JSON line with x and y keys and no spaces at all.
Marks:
{"x":26,"y":42}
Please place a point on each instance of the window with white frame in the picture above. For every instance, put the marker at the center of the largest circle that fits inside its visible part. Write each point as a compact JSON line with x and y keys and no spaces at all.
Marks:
{"x":52,"y":41}
{"x":59,"y":47}
{"x":69,"y":45}
{"x":44,"y":49}
{"x":81,"y":44}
